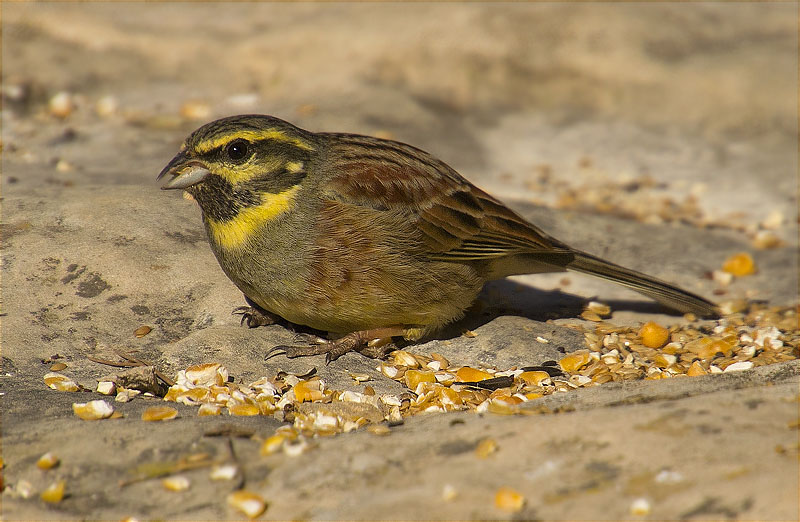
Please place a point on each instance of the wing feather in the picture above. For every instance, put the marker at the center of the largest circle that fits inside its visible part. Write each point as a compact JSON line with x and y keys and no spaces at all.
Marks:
{"x":455,"y":220}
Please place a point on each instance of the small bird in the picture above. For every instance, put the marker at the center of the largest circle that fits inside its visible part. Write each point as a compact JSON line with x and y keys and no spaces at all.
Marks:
{"x":364,"y":238}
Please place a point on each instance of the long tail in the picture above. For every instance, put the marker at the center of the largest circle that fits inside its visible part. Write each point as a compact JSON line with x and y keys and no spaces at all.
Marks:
{"x":663,"y":292}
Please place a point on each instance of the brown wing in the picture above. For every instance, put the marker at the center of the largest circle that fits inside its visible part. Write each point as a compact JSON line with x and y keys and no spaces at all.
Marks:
{"x":456,"y":220}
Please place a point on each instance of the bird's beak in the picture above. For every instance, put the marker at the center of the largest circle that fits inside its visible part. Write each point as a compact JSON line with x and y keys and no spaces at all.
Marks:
{"x":184,"y":171}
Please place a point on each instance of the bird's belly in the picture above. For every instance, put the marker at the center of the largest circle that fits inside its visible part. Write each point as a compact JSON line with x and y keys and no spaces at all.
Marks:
{"x":373,"y":297}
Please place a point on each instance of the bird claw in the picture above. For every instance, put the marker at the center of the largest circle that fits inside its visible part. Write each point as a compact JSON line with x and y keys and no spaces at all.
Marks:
{"x":352,"y":342}
{"x":276,"y":350}
{"x":253,"y":316}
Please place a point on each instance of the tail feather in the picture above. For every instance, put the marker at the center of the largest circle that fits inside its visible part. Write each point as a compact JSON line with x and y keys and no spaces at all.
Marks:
{"x":663,"y":292}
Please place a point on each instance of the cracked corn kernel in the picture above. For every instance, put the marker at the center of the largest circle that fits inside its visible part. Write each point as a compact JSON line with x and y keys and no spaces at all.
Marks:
{"x":485,"y":448}
{"x":207,"y":374}
{"x":176,"y":483}
{"x":48,"y":461}
{"x":310,"y":391}
{"x":640,"y":507}
{"x":738,"y":366}
{"x":360,"y":377}
{"x":414,"y":377}
{"x":272,"y":444}
{"x":575,"y":361}
{"x":57,"y":367}
{"x":61,"y":104}
{"x":24,"y":488}
{"x":696,"y":369}
{"x":209,"y":409}
{"x":449,"y":492}
{"x":126,"y":395}
{"x":59,"y":382}
{"x":54,"y":493}
{"x":244,"y":410}
{"x":739,"y":265}
{"x":93,"y":410}
{"x":159,"y":413}
{"x":379,"y":429}
{"x":664,"y":360}
{"x":505,"y":405}
{"x":441,"y":359}
{"x":106,"y":388}
{"x":467,"y":374}
{"x":654,"y":335}
{"x":224,"y":472}
{"x":508,"y":499}
{"x":449,"y":397}
{"x":534,"y":378}
{"x":404,"y":358}
{"x":247,"y":503}
{"x":707,"y":348}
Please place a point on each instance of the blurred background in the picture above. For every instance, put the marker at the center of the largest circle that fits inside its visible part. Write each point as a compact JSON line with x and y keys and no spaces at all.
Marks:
{"x":658,"y":112}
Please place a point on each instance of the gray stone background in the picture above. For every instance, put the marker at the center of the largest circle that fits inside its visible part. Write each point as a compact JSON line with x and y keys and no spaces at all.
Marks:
{"x":529,"y":101}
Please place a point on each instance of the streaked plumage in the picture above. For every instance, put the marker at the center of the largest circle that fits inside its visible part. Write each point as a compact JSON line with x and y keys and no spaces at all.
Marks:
{"x":348,"y":233}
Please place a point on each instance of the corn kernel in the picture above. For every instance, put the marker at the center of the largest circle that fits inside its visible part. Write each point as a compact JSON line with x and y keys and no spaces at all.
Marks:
{"x":379,"y":429}
{"x":54,"y":493}
{"x":575,"y":361}
{"x":534,"y":378}
{"x":739,"y":265}
{"x":59,"y":382}
{"x":467,"y":374}
{"x":247,"y":503}
{"x":159,"y":413}
{"x":414,"y":377}
{"x":654,"y":335}
{"x":272,"y":444}
{"x":209,"y":409}
{"x":696,"y":369}
{"x":244,"y":410}
{"x":176,"y":483}
{"x":93,"y":410}
{"x":48,"y":461}
{"x":508,"y":499}
{"x":485,"y":448}
{"x":308,"y":391}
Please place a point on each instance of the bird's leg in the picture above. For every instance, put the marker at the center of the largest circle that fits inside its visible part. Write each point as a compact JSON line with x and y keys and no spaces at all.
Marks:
{"x":371,"y":343}
{"x":255,"y":316}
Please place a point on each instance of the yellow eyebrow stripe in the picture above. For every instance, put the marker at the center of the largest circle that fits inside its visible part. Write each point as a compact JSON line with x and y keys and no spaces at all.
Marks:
{"x":235,"y":232}
{"x":251,"y":135}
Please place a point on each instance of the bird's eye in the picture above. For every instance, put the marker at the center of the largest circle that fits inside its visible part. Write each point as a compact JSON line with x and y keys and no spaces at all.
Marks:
{"x":238,"y":150}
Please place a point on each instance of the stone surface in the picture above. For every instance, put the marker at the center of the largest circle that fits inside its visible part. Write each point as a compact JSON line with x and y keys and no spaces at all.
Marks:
{"x":529,"y":101}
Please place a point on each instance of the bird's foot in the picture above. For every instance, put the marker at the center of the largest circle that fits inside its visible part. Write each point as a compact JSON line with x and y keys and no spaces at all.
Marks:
{"x":254,"y":317}
{"x":370,"y":343}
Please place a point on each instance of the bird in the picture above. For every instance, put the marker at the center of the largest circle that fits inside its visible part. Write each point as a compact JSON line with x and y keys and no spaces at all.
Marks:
{"x":365,"y":238}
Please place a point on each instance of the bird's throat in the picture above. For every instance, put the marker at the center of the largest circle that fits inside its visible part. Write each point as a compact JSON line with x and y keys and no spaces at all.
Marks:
{"x":237,"y":230}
